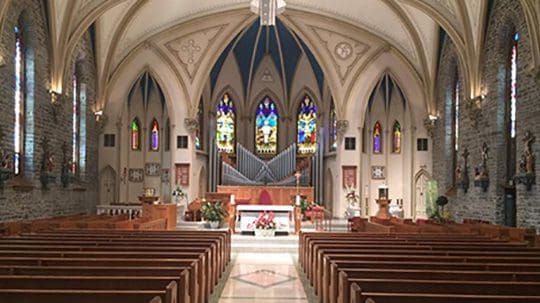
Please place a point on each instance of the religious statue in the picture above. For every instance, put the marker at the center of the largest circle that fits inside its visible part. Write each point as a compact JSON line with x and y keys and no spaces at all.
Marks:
{"x":526,"y":163}
{"x":481,"y":171}
{"x":5,"y":159}
{"x":47,"y":164}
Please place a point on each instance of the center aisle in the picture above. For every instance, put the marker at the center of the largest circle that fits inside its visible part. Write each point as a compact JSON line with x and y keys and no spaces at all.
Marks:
{"x":264,"y":270}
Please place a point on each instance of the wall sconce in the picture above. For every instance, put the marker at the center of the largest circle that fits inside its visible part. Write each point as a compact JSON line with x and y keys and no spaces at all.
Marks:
{"x":56,"y":97}
{"x":474,"y":107}
{"x":101,"y":120}
{"x":98,"y":114}
{"x":429,"y":124}
{"x":56,"y":102}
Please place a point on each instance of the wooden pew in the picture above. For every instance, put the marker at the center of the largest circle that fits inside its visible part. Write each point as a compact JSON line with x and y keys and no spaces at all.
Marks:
{"x":358,"y":296}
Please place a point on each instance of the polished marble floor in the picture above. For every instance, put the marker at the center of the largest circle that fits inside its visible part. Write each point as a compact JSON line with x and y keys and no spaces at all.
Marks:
{"x":263,"y":277}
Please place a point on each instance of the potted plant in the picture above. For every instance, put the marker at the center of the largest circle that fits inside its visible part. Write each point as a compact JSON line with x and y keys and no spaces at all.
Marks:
{"x":214,"y":213}
{"x":265,"y":225}
{"x":440,"y":215}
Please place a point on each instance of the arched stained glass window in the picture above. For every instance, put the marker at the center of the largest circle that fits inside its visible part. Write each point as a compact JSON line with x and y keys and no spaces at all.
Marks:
{"x":307,"y":126}
{"x":20,"y":99}
{"x":266,"y":127}
{"x":225,"y":122}
{"x":377,"y":138}
{"x":154,"y":135}
{"x":199,"y":132}
{"x":135,"y":134}
{"x":333,"y":127}
{"x":396,"y":138}
{"x":75,"y":130}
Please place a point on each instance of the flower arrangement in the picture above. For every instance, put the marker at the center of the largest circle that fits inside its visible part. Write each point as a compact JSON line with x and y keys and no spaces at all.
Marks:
{"x":179,"y":194}
{"x":265,"y":221}
{"x":351,"y":196}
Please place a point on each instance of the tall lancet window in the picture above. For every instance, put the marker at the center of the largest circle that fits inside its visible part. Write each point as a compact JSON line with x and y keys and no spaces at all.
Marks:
{"x":20,"y":99}
{"x":333,"y":127}
{"x":225,"y":122}
{"x":377,"y":138}
{"x":135,"y":134}
{"x":396,"y":138}
{"x":513,"y":84}
{"x":511,"y":104}
{"x":307,"y":126}
{"x":154,"y":135}
{"x":75,"y":125}
{"x":266,"y":127}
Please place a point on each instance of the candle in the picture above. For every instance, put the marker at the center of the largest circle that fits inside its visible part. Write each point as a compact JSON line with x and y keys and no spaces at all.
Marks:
{"x":297,"y":200}
{"x":232,"y":200}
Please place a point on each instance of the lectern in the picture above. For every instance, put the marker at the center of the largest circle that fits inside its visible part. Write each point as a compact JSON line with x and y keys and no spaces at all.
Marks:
{"x":383,"y":203}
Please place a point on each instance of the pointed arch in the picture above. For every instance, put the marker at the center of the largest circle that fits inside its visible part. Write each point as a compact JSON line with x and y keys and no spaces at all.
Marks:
{"x":199,"y":132}
{"x":154,"y":135}
{"x":266,"y":126}
{"x":135,"y":128}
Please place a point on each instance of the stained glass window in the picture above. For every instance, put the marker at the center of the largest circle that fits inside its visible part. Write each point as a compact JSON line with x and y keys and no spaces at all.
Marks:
{"x":513,"y":84}
{"x":377,"y":138}
{"x":20,"y":99}
{"x":225,"y":122}
{"x":199,"y":132}
{"x":333,"y":127}
{"x":154,"y":135}
{"x":396,"y":138}
{"x":266,"y":127}
{"x":135,"y":134}
{"x":307,"y":126}
{"x":75,"y":126}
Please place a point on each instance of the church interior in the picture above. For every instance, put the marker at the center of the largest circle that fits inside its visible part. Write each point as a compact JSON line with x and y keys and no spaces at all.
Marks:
{"x":269,"y":151}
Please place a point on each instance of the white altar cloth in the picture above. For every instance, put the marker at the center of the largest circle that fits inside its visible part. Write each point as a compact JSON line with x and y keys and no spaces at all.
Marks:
{"x":247,"y":214}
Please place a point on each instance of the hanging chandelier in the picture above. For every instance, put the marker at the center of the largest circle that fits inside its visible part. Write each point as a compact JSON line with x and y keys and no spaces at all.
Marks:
{"x":268,"y":10}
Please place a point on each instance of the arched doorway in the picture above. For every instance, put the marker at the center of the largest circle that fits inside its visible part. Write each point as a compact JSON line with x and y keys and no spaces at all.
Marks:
{"x":107,"y":186}
{"x":420,"y":194}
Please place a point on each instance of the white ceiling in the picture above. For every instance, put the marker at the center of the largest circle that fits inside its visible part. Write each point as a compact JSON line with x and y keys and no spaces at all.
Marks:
{"x":409,"y":26}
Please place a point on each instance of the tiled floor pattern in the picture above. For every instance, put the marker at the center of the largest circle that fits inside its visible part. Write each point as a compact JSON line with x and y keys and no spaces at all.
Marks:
{"x":263,"y":277}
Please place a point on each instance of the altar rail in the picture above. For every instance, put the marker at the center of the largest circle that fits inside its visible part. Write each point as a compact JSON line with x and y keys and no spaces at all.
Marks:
{"x":132,"y":211}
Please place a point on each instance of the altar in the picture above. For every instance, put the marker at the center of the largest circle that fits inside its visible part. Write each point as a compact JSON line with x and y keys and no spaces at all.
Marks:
{"x":247,"y":214}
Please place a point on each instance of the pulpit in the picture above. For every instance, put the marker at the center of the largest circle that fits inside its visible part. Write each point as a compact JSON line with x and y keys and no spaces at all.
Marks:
{"x":383,"y":212}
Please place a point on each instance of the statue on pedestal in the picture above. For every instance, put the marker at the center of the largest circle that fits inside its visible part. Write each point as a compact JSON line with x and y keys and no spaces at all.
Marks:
{"x":526,"y":163}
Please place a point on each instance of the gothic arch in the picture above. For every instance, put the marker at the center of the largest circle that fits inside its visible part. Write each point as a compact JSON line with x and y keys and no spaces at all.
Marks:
{"x":238,"y":104}
{"x":418,"y":207}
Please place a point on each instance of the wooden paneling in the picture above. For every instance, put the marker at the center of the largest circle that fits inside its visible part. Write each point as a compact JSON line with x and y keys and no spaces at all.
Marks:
{"x":280,"y":195}
{"x":157,"y":211}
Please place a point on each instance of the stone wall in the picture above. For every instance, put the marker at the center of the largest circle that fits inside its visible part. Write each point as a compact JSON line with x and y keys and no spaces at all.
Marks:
{"x":506,"y":17}
{"x":45,"y":123}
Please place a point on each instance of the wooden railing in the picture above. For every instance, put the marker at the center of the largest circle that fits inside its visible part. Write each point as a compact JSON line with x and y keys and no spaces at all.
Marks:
{"x":132,"y":211}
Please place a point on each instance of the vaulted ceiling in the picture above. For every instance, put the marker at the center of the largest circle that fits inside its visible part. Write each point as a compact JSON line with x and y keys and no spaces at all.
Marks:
{"x":410,"y":27}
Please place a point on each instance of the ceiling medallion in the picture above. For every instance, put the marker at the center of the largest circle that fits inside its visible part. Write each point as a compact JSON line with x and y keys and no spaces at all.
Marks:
{"x":343,"y":50}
